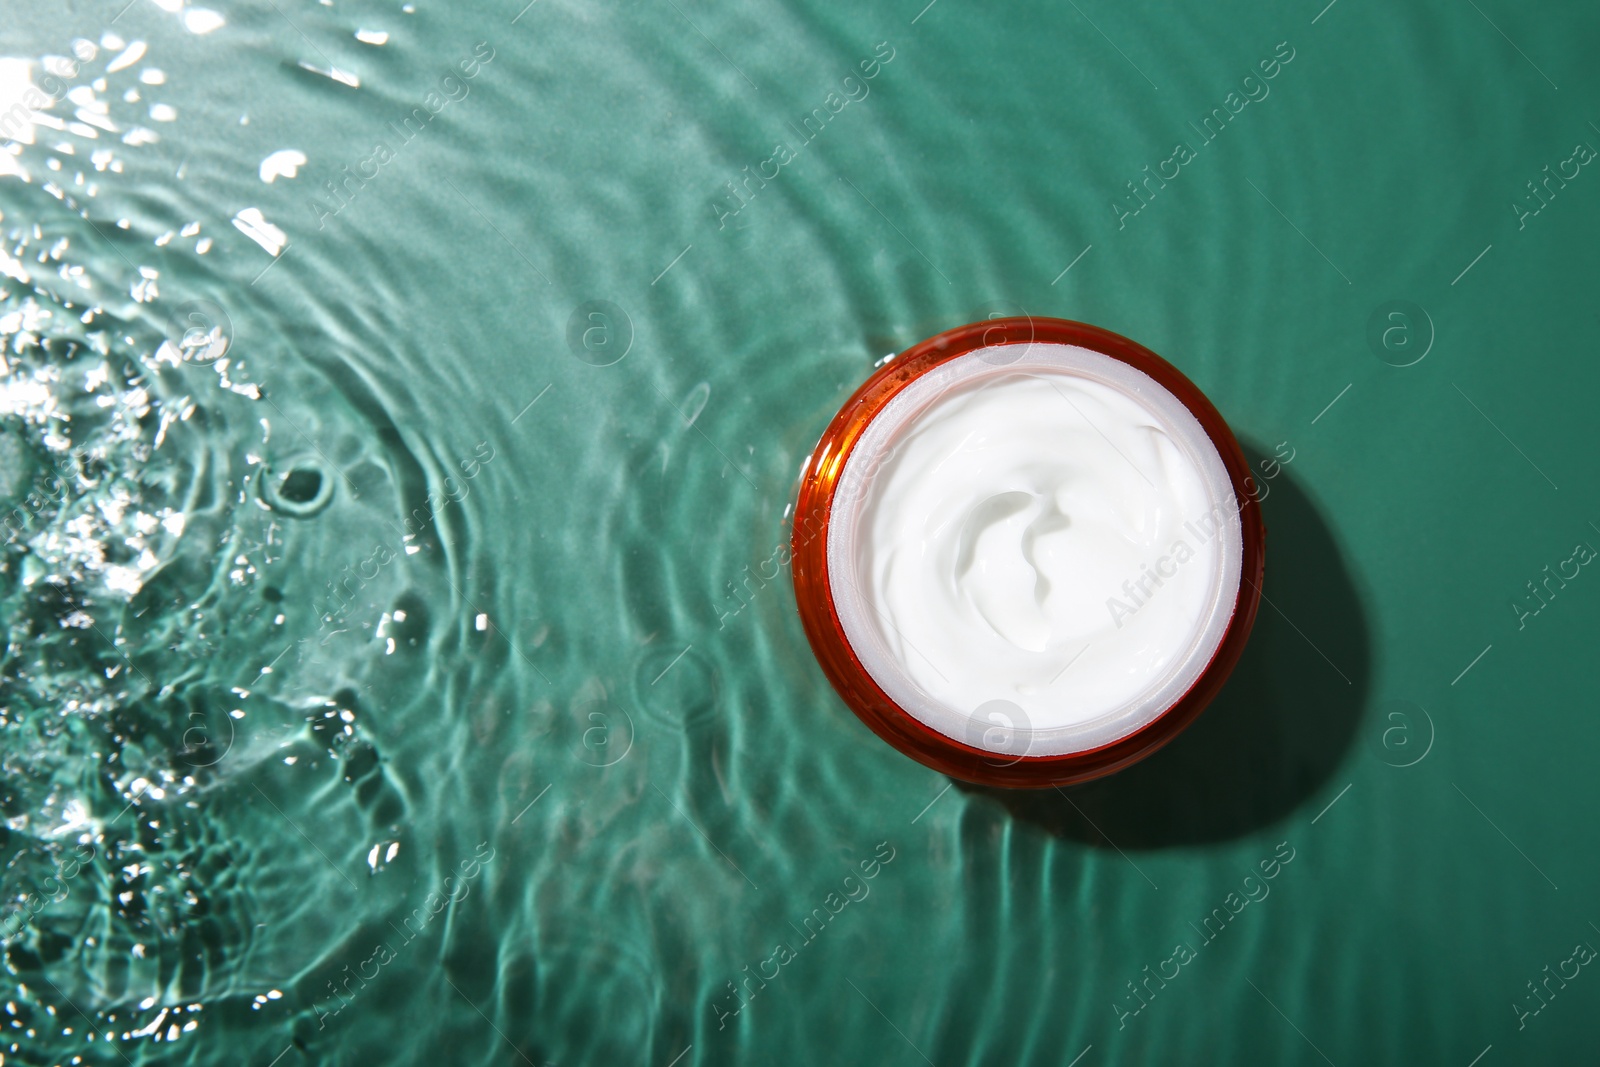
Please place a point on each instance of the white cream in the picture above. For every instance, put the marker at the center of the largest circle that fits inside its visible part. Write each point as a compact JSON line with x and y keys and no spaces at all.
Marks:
{"x":1035,"y":549}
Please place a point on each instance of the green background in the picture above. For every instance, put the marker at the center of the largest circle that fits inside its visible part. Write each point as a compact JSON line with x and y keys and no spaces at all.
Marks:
{"x":637,"y":782}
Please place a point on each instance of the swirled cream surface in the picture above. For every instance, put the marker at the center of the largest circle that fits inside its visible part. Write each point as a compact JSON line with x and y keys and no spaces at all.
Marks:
{"x":1035,"y":549}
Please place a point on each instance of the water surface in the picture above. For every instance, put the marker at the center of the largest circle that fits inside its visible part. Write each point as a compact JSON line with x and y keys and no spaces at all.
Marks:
{"x":401,"y":409}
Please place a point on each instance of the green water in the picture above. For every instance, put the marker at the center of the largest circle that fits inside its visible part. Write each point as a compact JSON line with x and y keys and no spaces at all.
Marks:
{"x":400,"y":670}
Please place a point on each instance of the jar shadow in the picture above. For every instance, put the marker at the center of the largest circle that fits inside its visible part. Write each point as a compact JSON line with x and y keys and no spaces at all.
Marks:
{"x":1271,"y":739}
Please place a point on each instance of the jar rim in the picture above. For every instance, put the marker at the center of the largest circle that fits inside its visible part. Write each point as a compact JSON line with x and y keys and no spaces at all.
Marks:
{"x":823,"y":476}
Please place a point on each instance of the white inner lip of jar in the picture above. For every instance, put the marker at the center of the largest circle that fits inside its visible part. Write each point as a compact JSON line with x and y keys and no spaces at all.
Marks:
{"x":991,"y":551}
